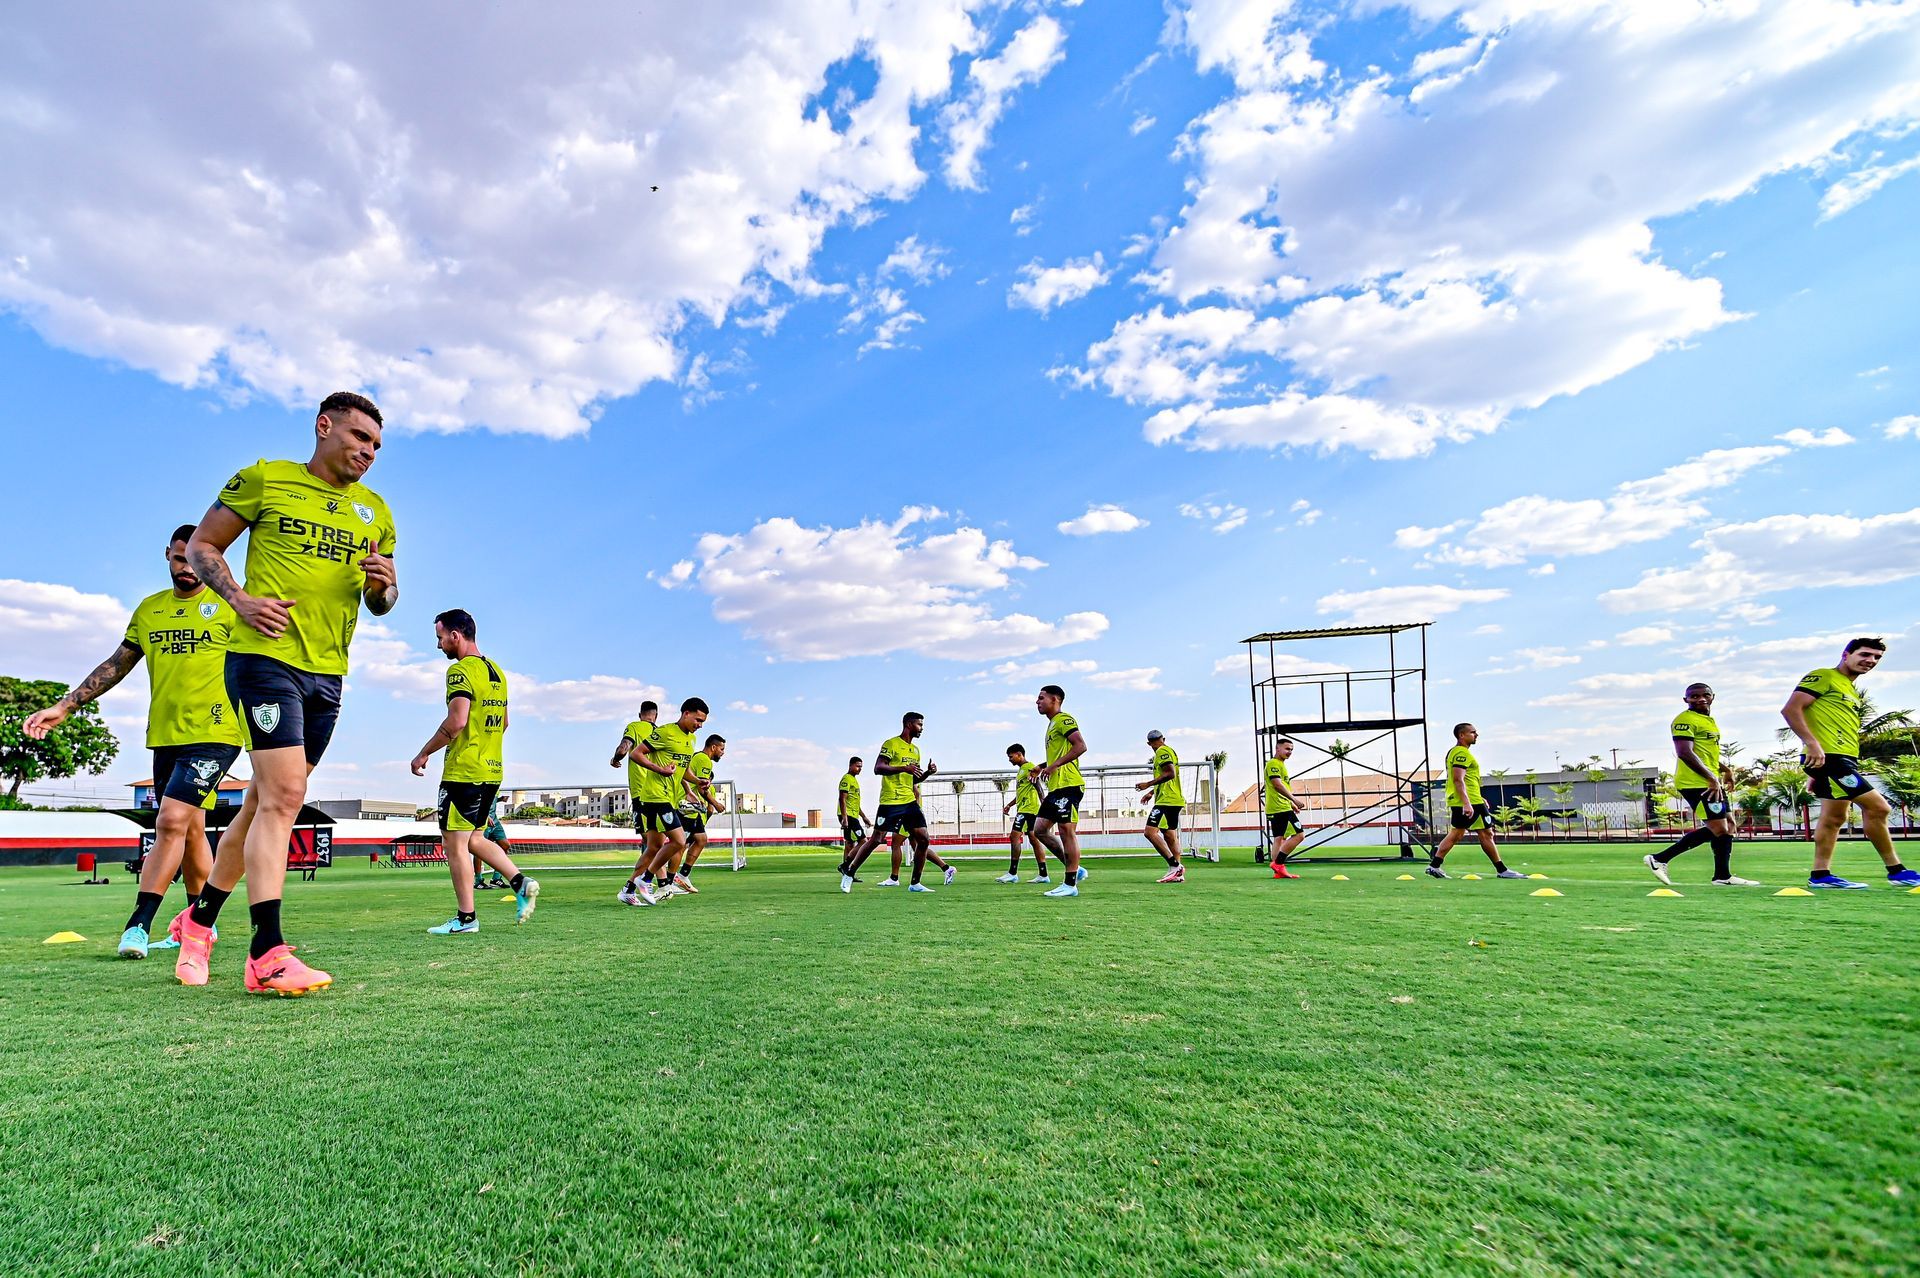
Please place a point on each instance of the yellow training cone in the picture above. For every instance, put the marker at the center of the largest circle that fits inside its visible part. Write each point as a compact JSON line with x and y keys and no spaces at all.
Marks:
{"x":1913,"y":891}
{"x":63,"y":938}
{"x":1793,"y":892}
{"x":1406,"y":877}
{"x":1663,"y":892}
{"x":1536,"y":876}
{"x":1341,"y":878}
{"x":1470,"y":876}
{"x":1543,"y":892}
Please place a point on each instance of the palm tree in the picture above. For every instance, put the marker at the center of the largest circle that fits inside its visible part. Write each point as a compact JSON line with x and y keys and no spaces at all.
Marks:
{"x":1782,"y":788}
{"x":1901,"y":780}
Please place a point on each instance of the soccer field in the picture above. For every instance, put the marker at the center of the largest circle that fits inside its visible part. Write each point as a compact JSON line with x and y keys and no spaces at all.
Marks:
{"x":1235,"y":1076}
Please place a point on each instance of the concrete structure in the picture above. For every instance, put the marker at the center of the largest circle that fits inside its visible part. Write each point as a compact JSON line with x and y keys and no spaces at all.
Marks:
{"x":366,"y":809}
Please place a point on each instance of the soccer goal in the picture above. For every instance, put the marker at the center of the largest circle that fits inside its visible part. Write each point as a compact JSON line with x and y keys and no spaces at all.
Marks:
{"x":965,"y":808}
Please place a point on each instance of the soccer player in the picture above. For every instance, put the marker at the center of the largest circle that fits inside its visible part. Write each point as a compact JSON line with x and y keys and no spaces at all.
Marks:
{"x":899,"y":767}
{"x":319,"y":545}
{"x":1702,"y":783}
{"x":1026,"y":797}
{"x":474,"y":735}
{"x":1466,"y":809}
{"x":191,"y":729}
{"x":897,"y":840}
{"x":1282,"y":807}
{"x":1163,"y":822}
{"x":496,"y":833}
{"x":1060,"y":810}
{"x":663,"y":757}
{"x":1824,"y":712}
{"x":853,"y":822}
{"x":641,"y":729}
{"x":696,"y":805}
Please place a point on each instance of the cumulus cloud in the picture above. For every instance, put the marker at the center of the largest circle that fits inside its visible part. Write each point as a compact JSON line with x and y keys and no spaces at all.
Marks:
{"x":1400,"y":259}
{"x":1857,"y":187}
{"x":1041,"y":288}
{"x":746,"y":707}
{"x":1907,"y":427}
{"x":1782,"y":552}
{"x":382,"y":659}
{"x":1831,"y":437}
{"x":1522,"y":660}
{"x":1138,"y":679}
{"x":1394,"y":604}
{"x":1033,"y":671}
{"x":1224,"y":516}
{"x":991,"y":83}
{"x":1101,"y":519}
{"x":506,"y":229}
{"x":48,"y":630}
{"x":819,"y":594}
{"x":1644,"y":636}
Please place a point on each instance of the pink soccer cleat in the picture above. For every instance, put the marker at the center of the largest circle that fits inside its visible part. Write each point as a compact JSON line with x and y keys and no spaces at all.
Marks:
{"x":279,"y":972}
{"x":196,"y":949}
{"x":1178,"y":874}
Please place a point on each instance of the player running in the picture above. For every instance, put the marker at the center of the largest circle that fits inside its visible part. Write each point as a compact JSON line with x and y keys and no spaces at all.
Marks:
{"x":853,"y":821}
{"x":641,"y":729}
{"x":183,"y":633}
{"x":1060,"y":810}
{"x":1282,"y":808}
{"x":899,"y":767}
{"x":319,"y":545}
{"x":1163,"y":821}
{"x":1702,"y":782}
{"x":1026,"y":798}
{"x":1824,"y":712}
{"x":474,"y":736}
{"x":662,"y":757}
{"x":1466,"y":809}
{"x":897,"y":841}
{"x":697,"y":803}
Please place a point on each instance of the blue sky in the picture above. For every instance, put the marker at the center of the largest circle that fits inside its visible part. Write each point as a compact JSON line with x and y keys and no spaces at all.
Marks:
{"x":1614,"y":385}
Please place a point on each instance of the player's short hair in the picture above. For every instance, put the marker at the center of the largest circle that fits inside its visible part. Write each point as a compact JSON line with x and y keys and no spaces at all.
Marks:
{"x":1016,"y":748}
{"x":1877,"y":645}
{"x":1280,"y":741}
{"x":1692,"y":686}
{"x":646,"y":706}
{"x":458,"y":620}
{"x":855,"y":759}
{"x":340,"y":401}
{"x":1054,"y":690}
{"x":183,"y":533}
{"x":716,"y":739}
{"x":694,"y":705}
{"x":910,"y":716}
{"x":1459,"y":728}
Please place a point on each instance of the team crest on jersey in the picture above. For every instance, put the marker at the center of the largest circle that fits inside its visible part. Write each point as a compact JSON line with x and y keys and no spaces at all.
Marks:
{"x":365,"y":513}
{"x":207,"y":610}
{"x":267,"y":716}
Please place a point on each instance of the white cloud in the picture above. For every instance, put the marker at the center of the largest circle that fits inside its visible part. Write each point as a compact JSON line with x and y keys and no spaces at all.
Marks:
{"x":1525,"y":659}
{"x":991,"y":83}
{"x":382,"y":659}
{"x":1138,"y":679}
{"x":1305,"y":513}
{"x":1782,"y":552}
{"x":1283,"y":664}
{"x":1644,"y":636}
{"x":51,"y":631}
{"x":992,"y":725}
{"x":1027,"y":671}
{"x":919,"y":262}
{"x":1489,"y":629}
{"x":1141,"y":123}
{"x":1393,"y":604}
{"x":1106,"y":518}
{"x":478,"y":239}
{"x":746,"y":707}
{"x":1224,"y":516}
{"x":1021,"y":219}
{"x":1857,"y":187}
{"x":1044,"y":287}
{"x":819,"y":594}
{"x":1831,"y":437}
{"x":1399,"y":262}
{"x":1907,"y":427}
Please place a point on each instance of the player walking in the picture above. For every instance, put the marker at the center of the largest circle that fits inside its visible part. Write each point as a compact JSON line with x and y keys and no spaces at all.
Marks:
{"x":183,"y":633}
{"x":1026,"y":799}
{"x":662,"y":757}
{"x":1060,"y":810}
{"x":320,"y":543}
{"x":697,"y":803}
{"x":899,"y":767}
{"x":1702,"y":782}
{"x":1163,"y":821}
{"x":1824,"y":712}
{"x":474,"y":736}
{"x":1466,"y":809}
{"x":1282,"y":807}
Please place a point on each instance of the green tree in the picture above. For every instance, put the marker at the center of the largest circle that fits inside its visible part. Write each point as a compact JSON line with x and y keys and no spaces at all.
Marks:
{"x":83,"y":743}
{"x":1900,"y":778}
{"x":534,"y":812}
{"x":1781,"y":787}
{"x":1565,"y":818}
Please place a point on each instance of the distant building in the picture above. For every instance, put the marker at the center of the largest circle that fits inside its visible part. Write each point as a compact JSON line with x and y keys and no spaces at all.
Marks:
{"x":753,"y":803}
{"x":231,"y":791}
{"x":366,"y":809}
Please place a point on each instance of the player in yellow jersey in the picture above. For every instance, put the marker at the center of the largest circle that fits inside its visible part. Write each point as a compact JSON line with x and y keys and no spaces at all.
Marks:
{"x":899,"y":769}
{"x":896,"y":843}
{"x":319,"y":547}
{"x":846,"y":806}
{"x":191,"y":729}
{"x":697,"y":803}
{"x":1282,"y":808}
{"x":1163,"y":820}
{"x":1060,"y":810}
{"x":474,"y":736}
{"x":1702,"y":782}
{"x":641,"y":729}
{"x":662,"y":757}
{"x":1466,"y":809}
{"x":1025,"y":805}
{"x":1824,"y":712}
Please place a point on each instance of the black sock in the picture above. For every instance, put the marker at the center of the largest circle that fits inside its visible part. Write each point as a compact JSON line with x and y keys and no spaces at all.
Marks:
{"x":1896,"y":868}
{"x":1499,"y":866}
{"x":1433,"y":860}
{"x":518,"y":881}
{"x":266,"y":927}
{"x":206,"y":906}
{"x":465,"y":916}
{"x":1691,"y":839}
{"x":145,"y":906}
{"x":1723,"y":856}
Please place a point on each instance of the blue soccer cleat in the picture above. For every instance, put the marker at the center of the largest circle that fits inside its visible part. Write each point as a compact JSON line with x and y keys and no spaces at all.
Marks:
{"x":133,"y":943}
{"x":454,"y":927}
{"x":1832,"y":881}
{"x":1904,"y":878}
{"x":525,"y":898}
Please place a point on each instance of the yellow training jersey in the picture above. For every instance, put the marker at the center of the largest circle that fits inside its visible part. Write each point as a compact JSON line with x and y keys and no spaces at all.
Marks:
{"x":185,"y":644}
{"x":1834,"y":715}
{"x":1059,"y":728}
{"x":1461,"y":757}
{"x":669,"y":744}
{"x":699,"y":768}
{"x":1276,"y":770}
{"x":850,"y":796}
{"x":897,"y":787}
{"x":1026,"y":794}
{"x":1700,"y":729}
{"x":476,"y":755}
{"x":1167,"y":794}
{"x":639,"y":732}
{"x":305,"y":541}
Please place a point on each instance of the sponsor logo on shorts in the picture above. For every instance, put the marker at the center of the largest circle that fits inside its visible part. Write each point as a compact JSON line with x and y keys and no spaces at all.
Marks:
{"x":267,"y":715}
{"x":204,"y":771}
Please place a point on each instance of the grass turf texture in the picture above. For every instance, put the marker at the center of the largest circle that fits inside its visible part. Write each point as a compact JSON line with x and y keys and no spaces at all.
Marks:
{"x":1235,"y":1076}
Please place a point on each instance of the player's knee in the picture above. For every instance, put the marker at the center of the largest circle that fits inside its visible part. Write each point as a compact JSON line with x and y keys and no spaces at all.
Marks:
{"x":174,"y":822}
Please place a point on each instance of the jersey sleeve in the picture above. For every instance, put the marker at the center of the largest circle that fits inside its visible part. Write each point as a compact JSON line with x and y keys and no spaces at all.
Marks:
{"x":1814,"y":684}
{"x":385,"y":535}
{"x":1682,"y":730}
{"x":246,"y":493}
{"x":1070,"y":725}
{"x":132,"y":637}
{"x":459,"y":683}
{"x":1457,"y":758}
{"x":1165,"y":755}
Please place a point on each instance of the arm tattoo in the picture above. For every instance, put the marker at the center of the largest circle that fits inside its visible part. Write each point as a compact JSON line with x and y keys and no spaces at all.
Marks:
{"x":210,"y":566}
{"x":105,"y":675}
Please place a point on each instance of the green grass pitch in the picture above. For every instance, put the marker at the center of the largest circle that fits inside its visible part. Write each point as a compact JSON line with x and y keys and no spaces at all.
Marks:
{"x":1234,"y":1076}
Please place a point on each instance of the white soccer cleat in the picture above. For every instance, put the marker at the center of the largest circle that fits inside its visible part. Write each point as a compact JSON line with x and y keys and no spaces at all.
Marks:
{"x":1734,"y":880}
{"x":846,"y":883}
{"x":950,"y":872}
{"x":631,"y":898}
{"x":1007,"y":878}
{"x":1659,"y":870}
{"x":889,"y":883}
{"x":918,"y":887}
{"x":1039,"y":878}
{"x":1065,"y":889}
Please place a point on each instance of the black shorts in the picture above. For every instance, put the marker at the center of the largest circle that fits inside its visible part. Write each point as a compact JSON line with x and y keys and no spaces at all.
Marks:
{"x":658,"y":818}
{"x":889,"y":817}
{"x":466,"y":805}
{"x":693,"y":823}
{"x":1165,"y":816}
{"x":1477,"y":817}
{"x":1697,"y":803}
{"x":1838,"y":777}
{"x":853,"y":829}
{"x":1280,"y":823}
{"x":191,"y":773}
{"x":281,"y":706}
{"x":1023,"y":823}
{"x":1062,"y":806}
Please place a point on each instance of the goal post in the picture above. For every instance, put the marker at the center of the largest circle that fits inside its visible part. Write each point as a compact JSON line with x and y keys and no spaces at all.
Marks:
{"x":965,"y":808}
